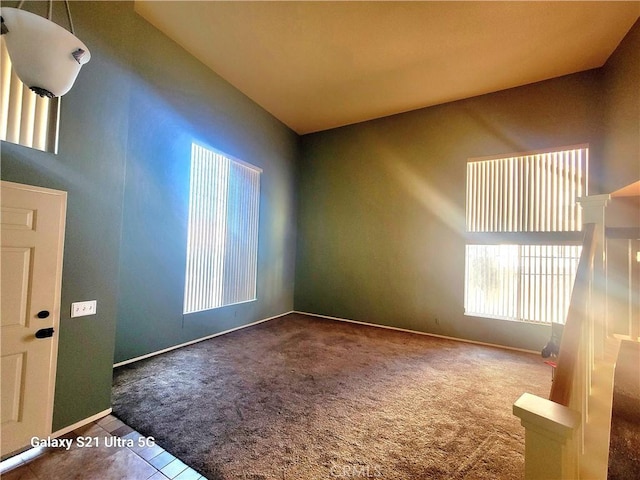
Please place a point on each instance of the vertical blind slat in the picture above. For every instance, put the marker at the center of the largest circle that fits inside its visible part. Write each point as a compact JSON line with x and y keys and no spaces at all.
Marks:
{"x":5,"y":88}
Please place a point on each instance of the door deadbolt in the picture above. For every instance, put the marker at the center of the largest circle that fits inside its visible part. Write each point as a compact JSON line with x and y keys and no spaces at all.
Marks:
{"x":44,"y":333}
{"x":43,"y":314}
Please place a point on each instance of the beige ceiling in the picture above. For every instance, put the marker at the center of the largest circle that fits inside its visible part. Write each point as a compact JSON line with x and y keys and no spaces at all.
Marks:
{"x":318,"y":65}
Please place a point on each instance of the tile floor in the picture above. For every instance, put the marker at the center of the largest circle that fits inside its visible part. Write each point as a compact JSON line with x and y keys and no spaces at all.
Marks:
{"x":104,"y":450}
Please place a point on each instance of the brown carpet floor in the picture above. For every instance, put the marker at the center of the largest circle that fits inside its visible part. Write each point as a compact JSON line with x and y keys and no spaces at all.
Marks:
{"x":624,"y":447}
{"x":306,"y":398}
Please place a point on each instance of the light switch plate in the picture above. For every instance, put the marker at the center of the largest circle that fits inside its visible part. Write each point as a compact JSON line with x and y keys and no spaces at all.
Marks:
{"x":80,"y":309}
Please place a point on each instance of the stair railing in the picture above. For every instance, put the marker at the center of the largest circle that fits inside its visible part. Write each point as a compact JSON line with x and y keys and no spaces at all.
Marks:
{"x":567,"y":436}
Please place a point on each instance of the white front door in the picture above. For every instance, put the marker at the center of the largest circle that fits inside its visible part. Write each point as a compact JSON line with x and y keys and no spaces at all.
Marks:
{"x":32,"y":225}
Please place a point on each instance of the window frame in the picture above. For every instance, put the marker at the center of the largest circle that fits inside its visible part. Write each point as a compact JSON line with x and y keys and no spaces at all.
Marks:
{"x":221,"y":258}
{"x":522,"y":238}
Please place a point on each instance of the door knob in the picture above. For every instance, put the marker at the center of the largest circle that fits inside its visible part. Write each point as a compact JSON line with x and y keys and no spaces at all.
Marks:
{"x":43,"y":314}
{"x":44,"y":333}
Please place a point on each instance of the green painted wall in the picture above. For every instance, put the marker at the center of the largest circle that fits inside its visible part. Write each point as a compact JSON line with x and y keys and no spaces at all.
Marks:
{"x":174,"y":101}
{"x":622,"y":120}
{"x":126,"y":131}
{"x":381,"y":205}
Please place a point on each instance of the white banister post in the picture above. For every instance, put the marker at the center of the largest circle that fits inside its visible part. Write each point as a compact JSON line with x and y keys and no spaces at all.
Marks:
{"x":550,"y":428}
{"x":593,"y":211}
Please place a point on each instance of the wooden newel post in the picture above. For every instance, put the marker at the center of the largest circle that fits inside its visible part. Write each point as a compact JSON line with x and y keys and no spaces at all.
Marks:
{"x":593,"y":211}
{"x":550,"y":429}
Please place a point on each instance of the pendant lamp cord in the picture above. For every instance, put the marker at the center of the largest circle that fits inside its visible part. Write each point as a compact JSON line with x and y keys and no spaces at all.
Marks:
{"x":50,"y":13}
{"x":66,"y":4}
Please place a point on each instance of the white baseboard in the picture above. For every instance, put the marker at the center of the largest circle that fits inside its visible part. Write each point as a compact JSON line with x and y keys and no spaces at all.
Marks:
{"x":153,"y":354}
{"x":464,"y":340}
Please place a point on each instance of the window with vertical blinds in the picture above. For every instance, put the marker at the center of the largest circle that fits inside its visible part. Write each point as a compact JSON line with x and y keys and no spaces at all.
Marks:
{"x":526,"y":194}
{"x":25,"y":118}
{"x":222,"y":244}
{"x":520,"y":282}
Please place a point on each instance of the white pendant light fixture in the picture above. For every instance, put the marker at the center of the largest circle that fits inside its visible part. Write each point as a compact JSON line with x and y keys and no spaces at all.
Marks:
{"x":45,"y":56}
